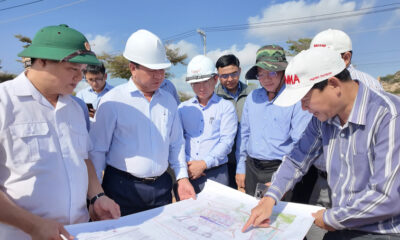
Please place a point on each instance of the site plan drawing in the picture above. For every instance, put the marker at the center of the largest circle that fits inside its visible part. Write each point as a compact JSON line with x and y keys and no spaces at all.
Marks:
{"x":219,"y":212}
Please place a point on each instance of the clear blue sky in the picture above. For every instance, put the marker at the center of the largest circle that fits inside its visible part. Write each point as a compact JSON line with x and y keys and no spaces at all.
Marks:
{"x":374,"y":26}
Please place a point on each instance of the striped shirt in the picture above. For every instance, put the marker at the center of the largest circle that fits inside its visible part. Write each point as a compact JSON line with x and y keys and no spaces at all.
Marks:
{"x":365,"y":78}
{"x":362,"y":159}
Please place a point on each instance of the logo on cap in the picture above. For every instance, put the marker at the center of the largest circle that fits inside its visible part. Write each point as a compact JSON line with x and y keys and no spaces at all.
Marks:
{"x":292,"y":79}
{"x":319,"y":45}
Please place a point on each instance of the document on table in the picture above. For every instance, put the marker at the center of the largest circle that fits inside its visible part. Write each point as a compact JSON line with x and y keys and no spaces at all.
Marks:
{"x":219,"y":212}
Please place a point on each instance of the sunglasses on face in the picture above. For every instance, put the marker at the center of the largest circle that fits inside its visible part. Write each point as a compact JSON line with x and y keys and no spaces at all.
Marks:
{"x":227,"y":75}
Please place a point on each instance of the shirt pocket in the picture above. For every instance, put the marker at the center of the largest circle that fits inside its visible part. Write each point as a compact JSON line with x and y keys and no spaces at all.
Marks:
{"x":25,"y":141}
{"x":80,"y":142}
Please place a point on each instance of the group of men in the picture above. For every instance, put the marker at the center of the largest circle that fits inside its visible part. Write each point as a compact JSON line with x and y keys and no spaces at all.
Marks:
{"x":315,"y":110}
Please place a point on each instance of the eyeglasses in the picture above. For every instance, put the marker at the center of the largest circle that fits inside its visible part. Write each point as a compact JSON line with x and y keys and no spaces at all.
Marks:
{"x":265,"y":74}
{"x":95,"y":79}
{"x":226,"y":76}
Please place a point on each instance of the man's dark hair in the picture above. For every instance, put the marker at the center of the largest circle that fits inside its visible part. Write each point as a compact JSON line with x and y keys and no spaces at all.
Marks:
{"x":227,"y":60}
{"x":95,"y":69}
{"x":343,"y":76}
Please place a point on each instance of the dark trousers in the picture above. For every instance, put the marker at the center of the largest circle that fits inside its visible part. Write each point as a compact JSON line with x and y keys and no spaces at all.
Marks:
{"x":358,"y":235}
{"x":232,"y":167}
{"x":218,"y":174}
{"x":259,"y":171}
{"x":135,"y":195}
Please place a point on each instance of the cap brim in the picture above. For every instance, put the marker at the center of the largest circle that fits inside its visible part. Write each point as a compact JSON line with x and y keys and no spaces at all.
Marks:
{"x":252,"y":73}
{"x":198,"y":80}
{"x":58,"y":54}
{"x":291,"y":96}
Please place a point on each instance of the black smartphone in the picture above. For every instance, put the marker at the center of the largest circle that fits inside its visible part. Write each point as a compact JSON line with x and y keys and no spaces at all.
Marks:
{"x":89,"y":106}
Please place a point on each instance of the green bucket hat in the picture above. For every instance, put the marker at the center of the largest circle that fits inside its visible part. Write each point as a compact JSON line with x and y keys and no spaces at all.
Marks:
{"x":270,"y":58}
{"x":60,"y":43}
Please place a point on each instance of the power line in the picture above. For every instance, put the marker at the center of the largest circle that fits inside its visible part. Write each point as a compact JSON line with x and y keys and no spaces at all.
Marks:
{"x":41,"y":12}
{"x":292,"y":21}
{"x":21,"y":5}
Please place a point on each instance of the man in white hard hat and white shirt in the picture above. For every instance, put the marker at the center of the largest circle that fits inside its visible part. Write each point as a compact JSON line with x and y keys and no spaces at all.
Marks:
{"x":357,"y":130}
{"x":209,"y":125}
{"x":137,"y":133}
{"x":341,"y":43}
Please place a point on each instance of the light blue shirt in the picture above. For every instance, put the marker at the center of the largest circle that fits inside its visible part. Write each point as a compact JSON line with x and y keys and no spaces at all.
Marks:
{"x":88,"y":95}
{"x":137,"y":136}
{"x":362,"y":159}
{"x":168,"y":86}
{"x":85,"y":110}
{"x":268,"y":131}
{"x":209,"y":131}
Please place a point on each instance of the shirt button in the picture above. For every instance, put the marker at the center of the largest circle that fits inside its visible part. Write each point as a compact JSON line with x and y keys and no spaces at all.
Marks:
{"x":341,"y":175}
{"x":197,"y":153}
{"x":197,"y":141}
{"x":342,"y":134}
{"x":342,"y":155}
{"x":334,"y":195}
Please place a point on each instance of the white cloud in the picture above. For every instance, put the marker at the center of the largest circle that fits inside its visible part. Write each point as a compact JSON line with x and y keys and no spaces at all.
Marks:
{"x":181,"y":84}
{"x":100,"y":44}
{"x":186,"y":48}
{"x":299,"y":9}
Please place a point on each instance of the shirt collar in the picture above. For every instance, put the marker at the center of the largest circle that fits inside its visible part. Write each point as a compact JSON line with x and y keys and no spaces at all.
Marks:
{"x":358,"y":114}
{"x":238,"y":91}
{"x":132,"y":88}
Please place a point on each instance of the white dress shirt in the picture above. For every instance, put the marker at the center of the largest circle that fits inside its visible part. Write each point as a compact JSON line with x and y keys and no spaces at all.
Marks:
{"x":137,"y":136}
{"x":42,"y":152}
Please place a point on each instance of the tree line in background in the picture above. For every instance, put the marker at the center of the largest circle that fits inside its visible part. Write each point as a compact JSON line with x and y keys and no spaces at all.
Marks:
{"x":117,"y":65}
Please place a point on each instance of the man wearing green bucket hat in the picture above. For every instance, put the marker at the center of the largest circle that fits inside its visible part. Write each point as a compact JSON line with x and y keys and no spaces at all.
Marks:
{"x":267,"y":131}
{"x":45,"y":176}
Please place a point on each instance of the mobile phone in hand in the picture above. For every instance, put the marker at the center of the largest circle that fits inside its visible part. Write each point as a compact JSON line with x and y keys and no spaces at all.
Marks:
{"x":90,"y":106}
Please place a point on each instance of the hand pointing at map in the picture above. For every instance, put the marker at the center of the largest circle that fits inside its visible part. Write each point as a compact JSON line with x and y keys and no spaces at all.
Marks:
{"x":260,"y":214}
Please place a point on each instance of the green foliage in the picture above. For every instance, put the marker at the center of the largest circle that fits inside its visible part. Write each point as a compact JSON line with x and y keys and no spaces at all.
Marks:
{"x":391,"y":78}
{"x":24,"y":39}
{"x":184,"y":96}
{"x":297,"y":46}
{"x":6,"y":76}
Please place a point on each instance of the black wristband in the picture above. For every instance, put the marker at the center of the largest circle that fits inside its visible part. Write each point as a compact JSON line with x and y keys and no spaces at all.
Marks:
{"x":96,"y":197}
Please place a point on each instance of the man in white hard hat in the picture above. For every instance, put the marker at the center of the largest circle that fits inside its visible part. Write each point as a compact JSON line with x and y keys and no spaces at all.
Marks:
{"x":340,"y":42}
{"x":357,"y":130}
{"x":137,"y":133}
{"x":267,"y":131}
{"x":209,"y":125}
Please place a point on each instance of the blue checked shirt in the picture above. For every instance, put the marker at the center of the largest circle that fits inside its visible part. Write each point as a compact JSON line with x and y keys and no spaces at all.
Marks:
{"x":210,"y":130}
{"x":88,"y":95}
{"x":268,"y":131}
{"x":362,"y":159}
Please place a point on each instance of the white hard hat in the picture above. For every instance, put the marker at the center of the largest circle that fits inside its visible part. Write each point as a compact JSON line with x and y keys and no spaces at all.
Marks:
{"x":145,"y":48}
{"x":306,"y":69}
{"x":200,"y":68}
{"x":332,"y":38}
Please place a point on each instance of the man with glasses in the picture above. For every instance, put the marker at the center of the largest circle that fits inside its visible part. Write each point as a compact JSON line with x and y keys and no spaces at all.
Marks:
{"x":137,"y":133}
{"x":96,"y":77}
{"x":268,"y":132}
{"x":230,"y":88}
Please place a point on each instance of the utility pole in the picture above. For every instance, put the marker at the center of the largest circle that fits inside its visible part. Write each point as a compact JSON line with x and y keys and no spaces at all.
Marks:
{"x":203,"y":34}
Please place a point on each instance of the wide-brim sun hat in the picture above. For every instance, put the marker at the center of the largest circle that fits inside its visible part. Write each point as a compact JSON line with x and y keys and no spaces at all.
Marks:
{"x":271,"y":58}
{"x":60,"y":43}
{"x":306,"y":69}
{"x":145,"y":48}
